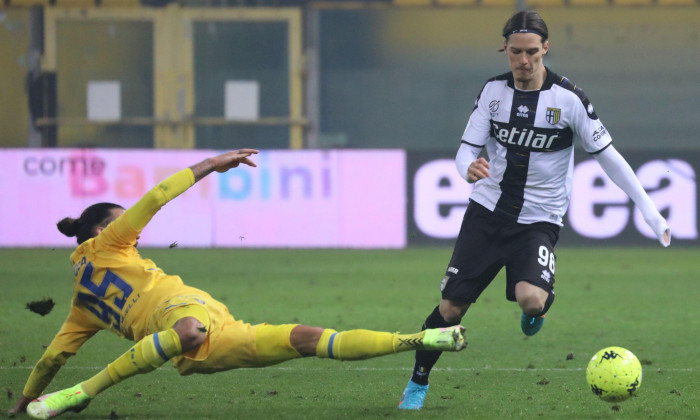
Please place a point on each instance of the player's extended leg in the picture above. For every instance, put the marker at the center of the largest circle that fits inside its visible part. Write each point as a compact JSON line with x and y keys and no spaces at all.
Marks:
{"x":534,"y":302}
{"x":145,"y":356}
{"x":448,"y":313}
{"x":305,"y":341}
{"x":365,"y":344}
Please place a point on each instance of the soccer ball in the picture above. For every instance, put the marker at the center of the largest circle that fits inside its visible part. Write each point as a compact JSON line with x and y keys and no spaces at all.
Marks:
{"x":614,"y":374}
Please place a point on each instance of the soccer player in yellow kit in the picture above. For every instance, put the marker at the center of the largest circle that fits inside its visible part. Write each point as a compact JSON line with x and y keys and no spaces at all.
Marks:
{"x":115,"y":289}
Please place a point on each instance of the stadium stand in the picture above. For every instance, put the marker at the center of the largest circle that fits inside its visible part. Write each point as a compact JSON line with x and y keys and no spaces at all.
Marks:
{"x":537,"y":4}
{"x":413,"y":2}
{"x":83,"y":4}
{"x":678,"y":2}
{"x":25,"y":3}
{"x":457,"y":2}
{"x":351,"y":4}
{"x":587,"y":2}
{"x":495,"y":3}
{"x":119,"y":3}
{"x":632,"y":2}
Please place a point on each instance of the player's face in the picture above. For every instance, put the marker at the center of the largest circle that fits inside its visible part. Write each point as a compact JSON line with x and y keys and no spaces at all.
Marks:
{"x":525,"y":52}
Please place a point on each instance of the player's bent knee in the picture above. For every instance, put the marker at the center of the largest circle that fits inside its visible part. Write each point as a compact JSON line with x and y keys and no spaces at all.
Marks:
{"x":191,"y":332}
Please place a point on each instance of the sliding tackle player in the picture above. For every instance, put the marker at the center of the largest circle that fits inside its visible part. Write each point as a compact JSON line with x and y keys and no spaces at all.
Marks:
{"x":117,"y":290}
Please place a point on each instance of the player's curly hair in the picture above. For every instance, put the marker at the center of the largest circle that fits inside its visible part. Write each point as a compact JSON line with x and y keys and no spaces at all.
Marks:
{"x":83,"y":228}
{"x":526,"y":21}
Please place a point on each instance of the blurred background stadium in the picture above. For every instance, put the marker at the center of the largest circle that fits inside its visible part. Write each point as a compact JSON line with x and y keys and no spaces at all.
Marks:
{"x":370,"y":97}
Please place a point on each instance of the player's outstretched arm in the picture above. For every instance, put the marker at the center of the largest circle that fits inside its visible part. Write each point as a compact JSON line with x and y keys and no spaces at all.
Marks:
{"x":140,"y":214}
{"x":617,"y":168}
{"x":222,"y":163}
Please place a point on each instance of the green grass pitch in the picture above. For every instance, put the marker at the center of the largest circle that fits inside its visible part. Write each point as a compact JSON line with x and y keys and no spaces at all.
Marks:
{"x":643,"y":299}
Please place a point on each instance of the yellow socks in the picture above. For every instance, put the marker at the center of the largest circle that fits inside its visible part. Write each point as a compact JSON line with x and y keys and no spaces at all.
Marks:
{"x":97,"y":383}
{"x":146,"y":355}
{"x":364,"y":344}
{"x":408,"y":342}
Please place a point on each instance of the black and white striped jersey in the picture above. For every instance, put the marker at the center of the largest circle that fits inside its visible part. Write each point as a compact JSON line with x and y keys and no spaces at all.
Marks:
{"x":529,"y":137}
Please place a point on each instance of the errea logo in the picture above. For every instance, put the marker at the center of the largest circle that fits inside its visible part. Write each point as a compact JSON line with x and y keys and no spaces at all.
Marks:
{"x":522,"y":111}
{"x":546,"y":276}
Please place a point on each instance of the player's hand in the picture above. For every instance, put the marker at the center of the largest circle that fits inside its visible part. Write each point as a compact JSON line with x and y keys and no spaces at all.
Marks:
{"x":20,"y":407}
{"x":223,"y":163}
{"x":477,"y":170}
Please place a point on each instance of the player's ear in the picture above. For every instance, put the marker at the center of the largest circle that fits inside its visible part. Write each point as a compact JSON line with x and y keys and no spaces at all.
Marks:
{"x":545,"y":47}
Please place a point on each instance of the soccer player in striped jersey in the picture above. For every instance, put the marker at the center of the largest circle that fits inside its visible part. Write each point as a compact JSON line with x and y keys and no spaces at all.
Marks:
{"x":527,"y":119}
{"x":117,"y":290}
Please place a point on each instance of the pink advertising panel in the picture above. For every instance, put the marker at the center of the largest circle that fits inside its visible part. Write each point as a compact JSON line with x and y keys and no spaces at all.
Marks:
{"x":348,"y":199}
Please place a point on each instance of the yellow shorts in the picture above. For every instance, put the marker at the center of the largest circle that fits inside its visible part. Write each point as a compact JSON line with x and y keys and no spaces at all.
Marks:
{"x":230,"y":343}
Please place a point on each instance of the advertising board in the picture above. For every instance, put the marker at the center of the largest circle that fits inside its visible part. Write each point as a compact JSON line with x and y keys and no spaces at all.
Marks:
{"x":599,"y":213}
{"x":349,"y":199}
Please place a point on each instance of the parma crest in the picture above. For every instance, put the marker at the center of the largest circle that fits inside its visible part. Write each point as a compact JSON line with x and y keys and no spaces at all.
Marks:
{"x":553,"y":115}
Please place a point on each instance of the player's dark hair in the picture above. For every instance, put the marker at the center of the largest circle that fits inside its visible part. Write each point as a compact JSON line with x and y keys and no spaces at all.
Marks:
{"x":527,"y":21}
{"x":97,"y":215}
